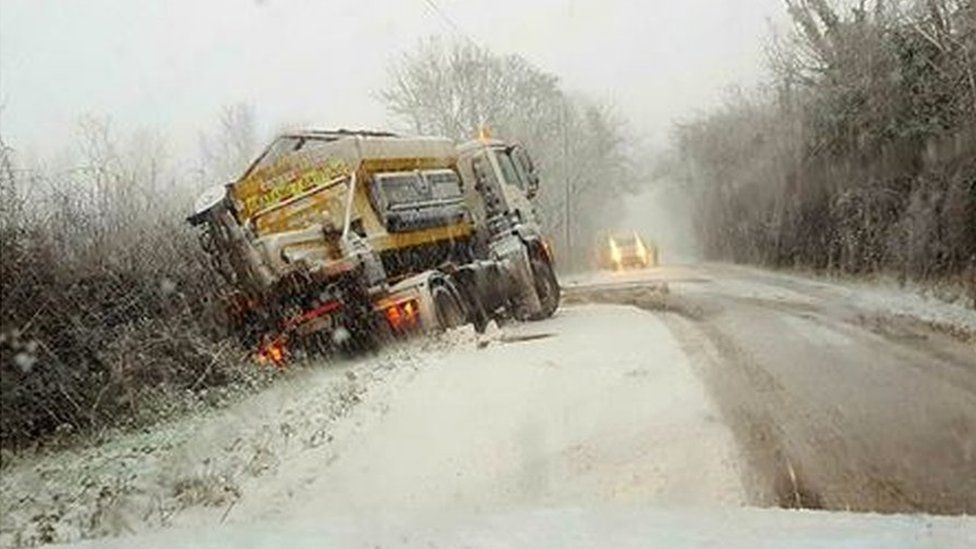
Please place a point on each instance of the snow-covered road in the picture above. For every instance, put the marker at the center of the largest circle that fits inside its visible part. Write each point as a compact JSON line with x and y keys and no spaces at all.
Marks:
{"x":652,"y":402}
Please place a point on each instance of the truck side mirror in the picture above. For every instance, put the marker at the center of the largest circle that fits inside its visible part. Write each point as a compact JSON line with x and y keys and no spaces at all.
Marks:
{"x":532,"y":188}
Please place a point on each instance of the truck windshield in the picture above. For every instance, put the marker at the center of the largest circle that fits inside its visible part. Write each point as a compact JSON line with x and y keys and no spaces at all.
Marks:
{"x":511,"y":174}
{"x":625,"y":241}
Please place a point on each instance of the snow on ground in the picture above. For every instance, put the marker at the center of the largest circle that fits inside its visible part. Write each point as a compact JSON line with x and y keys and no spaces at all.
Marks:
{"x":883,"y":298}
{"x":570,"y":527}
{"x":536,"y":415}
{"x":148,"y":479}
{"x":890,"y":298}
{"x":594,"y":408}
{"x":588,"y":427}
{"x":542,"y":415}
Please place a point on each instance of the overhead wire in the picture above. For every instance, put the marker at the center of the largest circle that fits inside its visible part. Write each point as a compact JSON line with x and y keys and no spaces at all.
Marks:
{"x":450,"y":22}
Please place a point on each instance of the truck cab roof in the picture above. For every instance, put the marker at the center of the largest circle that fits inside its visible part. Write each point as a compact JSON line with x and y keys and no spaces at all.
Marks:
{"x":480,"y":143}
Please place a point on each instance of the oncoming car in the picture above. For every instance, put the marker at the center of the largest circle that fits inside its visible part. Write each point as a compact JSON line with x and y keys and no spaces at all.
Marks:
{"x":630,"y":251}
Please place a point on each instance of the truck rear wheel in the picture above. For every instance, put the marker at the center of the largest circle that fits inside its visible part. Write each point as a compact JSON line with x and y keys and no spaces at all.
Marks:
{"x":450,"y":312}
{"x":546,"y":288}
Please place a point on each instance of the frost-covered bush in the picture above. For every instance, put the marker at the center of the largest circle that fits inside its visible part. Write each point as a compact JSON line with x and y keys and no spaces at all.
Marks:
{"x":106,"y":295}
{"x":860,"y":154}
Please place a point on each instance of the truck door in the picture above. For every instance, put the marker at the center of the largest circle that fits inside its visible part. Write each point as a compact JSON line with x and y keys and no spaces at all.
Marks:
{"x":488,"y":186}
{"x":515,"y":186}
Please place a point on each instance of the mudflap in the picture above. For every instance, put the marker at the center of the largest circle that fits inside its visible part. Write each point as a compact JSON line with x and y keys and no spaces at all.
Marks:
{"x":357,"y":328}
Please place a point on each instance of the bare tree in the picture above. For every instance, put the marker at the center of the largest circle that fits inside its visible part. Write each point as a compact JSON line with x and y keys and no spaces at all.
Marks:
{"x":860,"y":156}
{"x":106,"y":301}
{"x":454,"y":89}
{"x":232,"y":146}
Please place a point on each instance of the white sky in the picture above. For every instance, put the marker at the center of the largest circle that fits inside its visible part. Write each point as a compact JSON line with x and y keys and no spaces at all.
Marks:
{"x":170,"y":66}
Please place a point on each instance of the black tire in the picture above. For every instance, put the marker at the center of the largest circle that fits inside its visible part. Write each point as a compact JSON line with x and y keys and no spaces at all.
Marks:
{"x":546,"y":288}
{"x":450,"y":312}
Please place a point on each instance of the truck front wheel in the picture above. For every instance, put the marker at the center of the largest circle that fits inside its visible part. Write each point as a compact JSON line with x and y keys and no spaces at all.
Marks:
{"x":546,"y":288}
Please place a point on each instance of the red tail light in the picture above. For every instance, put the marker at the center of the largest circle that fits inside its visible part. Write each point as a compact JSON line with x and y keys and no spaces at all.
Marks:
{"x":404,"y":315}
{"x":393,"y":316}
{"x":273,"y":352}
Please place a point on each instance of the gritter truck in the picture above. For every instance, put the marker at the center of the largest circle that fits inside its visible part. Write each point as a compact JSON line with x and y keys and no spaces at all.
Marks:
{"x":337,"y":239}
